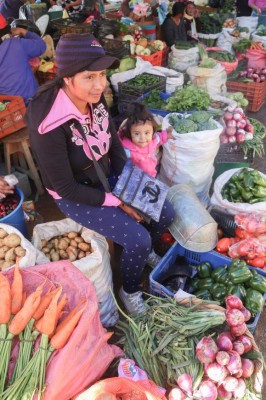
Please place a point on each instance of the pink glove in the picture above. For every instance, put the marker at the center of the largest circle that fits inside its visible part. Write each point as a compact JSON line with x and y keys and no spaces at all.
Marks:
{"x":111,"y":201}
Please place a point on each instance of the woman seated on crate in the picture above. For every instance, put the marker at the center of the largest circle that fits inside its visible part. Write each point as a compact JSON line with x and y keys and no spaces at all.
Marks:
{"x":191,"y":21}
{"x":173,"y":28}
{"x":16,"y":77}
{"x":69,"y":123}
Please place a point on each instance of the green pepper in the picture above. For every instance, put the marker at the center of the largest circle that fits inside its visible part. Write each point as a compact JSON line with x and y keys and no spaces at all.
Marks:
{"x":239,"y":274}
{"x":257,"y":283}
{"x":205,"y":283}
{"x":203,"y":294}
{"x":249,"y":181}
{"x":204,"y":270}
{"x":218,"y":291}
{"x":254,"y":301}
{"x":219,"y":274}
{"x":260,"y":181}
{"x":236,"y":262}
{"x":259,"y":191}
{"x":194,"y":283}
{"x":238,"y":291}
{"x":246,"y":194}
{"x":257,"y":200}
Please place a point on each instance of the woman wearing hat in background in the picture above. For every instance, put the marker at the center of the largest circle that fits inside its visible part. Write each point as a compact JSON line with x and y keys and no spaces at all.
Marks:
{"x":16,"y":78}
{"x":64,"y":156}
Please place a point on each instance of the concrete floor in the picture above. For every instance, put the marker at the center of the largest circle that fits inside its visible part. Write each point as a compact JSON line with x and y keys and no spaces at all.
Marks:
{"x":48,"y":211}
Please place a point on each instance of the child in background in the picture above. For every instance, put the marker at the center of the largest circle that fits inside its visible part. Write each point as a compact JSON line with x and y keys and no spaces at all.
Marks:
{"x":140,"y":139}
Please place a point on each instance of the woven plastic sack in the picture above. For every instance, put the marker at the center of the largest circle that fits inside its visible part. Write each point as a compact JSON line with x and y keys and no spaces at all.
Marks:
{"x":229,"y":67}
{"x":211,"y":79}
{"x":180,"y":60}
{"x":225,"y":41}
{"x":256,"y":58}
{"x":126,"y":389}
{"x":248,"y":22}
{"x":233,"y":208}
{"x":87,"y":355}
{"x":259,"y":38}
{"x":95,"y":267}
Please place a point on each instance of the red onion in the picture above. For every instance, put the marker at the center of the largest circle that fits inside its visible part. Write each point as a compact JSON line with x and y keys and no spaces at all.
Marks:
{"x":240,"y":132}
{"x":240,"y":138}
{"x":246,"y":313}
{"x":234,"y":317}
{"x":230,"y":131}
{"x":232,"y":301}
{"x":263,"y":71}
{"x":239,"y":109}
{"x":238,"y":347}
{"x":232,"y":139}
{"x":239,"y":373}
{"x":249,"y":128}
{"x":185,"y":382}
{"x":208,"y":390}
{"x":230,"y":383}
{"x":248,"y":136}
{"x":222,"y":358}
{"x":242,"y":74}
{"x":234,"y":364}
{"x":223,"y":394}
{"x":255,"y":76}
{"x":247,"y":367}
{"x":176,"y":394}
{"x":238,"y":330}
{"x":231,"y":124}
{"x":224,"y":139}
{"x":206,"y":350}
{"x":246,"y":342}
{"x":241,"y":124}
{"x":228,"y":116}
{"x":216,"y":372}
{"x":250,"y":70}
{"x":262,"y":78}
{"x":240,"y":390}
{"x":224,"y":343}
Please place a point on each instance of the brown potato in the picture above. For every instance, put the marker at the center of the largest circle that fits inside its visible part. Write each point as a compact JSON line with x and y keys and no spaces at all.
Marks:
{"x":54,"y":256}
{"x":72,"y":235}
{"x":12,"y":240}
{"x":3,"y":233}
{"x":72,"y":253}
{"x":62,"y":244}
{"x":84,"y":246}
{"x":46,"y":250}
{"x":2,"y":263}
{"x":73,"y":243}
{"x":43,"y":242}
{"x":81,"y":254}
{"x":1,"y":242}
{"x":63,"y":254}
{"x":20,"y":251}
{"x":49,"y":245}
{"x":7,"y":264}
{"x":3,"y":251}
{"x":88,"y":253}
{"x":10,"y":255}
{"x":79,"y":239}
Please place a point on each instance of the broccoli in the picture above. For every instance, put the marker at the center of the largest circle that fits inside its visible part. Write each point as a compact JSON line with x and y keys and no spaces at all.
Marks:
{"x":207,"y":126}
{"x":182,"y":125}
{"x":200,"y":117}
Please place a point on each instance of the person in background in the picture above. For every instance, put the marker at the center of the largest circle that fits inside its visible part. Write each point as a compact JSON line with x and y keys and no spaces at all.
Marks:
{"x":5,"y":188}
{"x":68,"y":121}
{"x":128,"y":11}
{"x":16,"y":78}
{"x":242,"y":8}
{"x":191,"y":20}
{"x":258,"y":10}
{"x":173,"y":28}
{"x":10,"y":8}
{"x":72,"y":6}
{"x":141,"y":140}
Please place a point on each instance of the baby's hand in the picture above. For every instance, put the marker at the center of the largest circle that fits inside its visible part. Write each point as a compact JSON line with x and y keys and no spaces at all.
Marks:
{"x":169,"y":131}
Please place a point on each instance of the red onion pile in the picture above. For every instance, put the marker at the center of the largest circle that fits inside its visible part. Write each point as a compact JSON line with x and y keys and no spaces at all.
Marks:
{"x":238,"y":128}
{"x":257,"y":74}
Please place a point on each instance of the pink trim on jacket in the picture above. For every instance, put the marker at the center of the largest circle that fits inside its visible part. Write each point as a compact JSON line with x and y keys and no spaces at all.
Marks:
{"x":111,"y":200}
{"x":53,"y":194}
{"x":145,"y":157}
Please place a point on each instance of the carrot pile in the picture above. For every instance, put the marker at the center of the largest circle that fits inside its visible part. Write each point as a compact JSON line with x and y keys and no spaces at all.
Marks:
{"x":30,"y":318}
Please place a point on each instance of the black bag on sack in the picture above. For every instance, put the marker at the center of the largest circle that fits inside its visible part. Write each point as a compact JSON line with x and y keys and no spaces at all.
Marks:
{"x":141,"y":191}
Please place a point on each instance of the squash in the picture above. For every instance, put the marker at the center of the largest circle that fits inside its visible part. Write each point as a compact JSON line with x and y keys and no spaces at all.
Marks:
{"x":143,"y":42}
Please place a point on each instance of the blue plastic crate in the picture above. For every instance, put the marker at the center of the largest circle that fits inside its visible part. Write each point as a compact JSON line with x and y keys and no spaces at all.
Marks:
{"x":164,"y":96}
{"x":193,"y":258}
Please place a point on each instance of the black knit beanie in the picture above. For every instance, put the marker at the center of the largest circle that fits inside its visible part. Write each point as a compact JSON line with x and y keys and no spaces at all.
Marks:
{"x":79,"y":52}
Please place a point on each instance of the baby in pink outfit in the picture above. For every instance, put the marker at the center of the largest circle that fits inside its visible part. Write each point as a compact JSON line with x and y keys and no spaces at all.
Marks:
{"x":140,"y":139}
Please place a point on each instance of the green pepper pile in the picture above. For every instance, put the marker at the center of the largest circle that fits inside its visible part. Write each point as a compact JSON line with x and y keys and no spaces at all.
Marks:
{"x":238,"y":279}
{"x":153,"y":100}
{"x":221,"y":55}
{"x":144,"y":80}
{"x":248,"y":186}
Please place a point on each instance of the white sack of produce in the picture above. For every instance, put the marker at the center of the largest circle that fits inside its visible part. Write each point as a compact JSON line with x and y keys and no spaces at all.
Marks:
{"x":13,"y":245}
{"x":189,"y":158}
{"x":180,"y":59}
{"x":225,"y":40}
{"x":141,"y":66}
{"x":248,"y":22}
{"x":211,"y":79}
{"x":229,"y":207}
{"x":96,"y":266}
{"x":260,"y":35}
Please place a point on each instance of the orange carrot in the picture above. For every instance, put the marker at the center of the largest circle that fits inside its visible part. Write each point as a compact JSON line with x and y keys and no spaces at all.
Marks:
{"x":60,"y":306}
{"x":5,"y":300}
{"x":44,"y":304}
{"x":21,"y":319}
{"x":46,"y":325}
{"x":62,"y":335}
{"x":16,"y":291}
{"x":24,"y":297}
{"x":70,"y":315}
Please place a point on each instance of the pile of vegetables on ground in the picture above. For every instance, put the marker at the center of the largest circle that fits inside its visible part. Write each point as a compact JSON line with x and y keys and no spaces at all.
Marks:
{"x":196,"y":122}
{"x":246,"y":186}
{"x":32,"y":322}
{"x":10,"y":249}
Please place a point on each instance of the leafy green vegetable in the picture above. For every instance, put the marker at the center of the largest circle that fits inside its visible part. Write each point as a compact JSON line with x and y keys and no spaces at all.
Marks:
{"x":189,"y":98}
{"x":153,"y":100}
{"x":200,"y":117}
{"x":197,"y":121}
{"x":207,"y":63}
{"x":182,"y":125}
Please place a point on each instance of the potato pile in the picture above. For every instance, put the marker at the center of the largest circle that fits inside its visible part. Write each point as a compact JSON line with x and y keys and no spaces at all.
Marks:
{"x":70,"y":246}
{"x":10,"y":249}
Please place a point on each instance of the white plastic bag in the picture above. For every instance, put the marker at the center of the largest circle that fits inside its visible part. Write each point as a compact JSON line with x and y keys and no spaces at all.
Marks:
{"x":96,"y":267}
{"x":189,"y":158}
{"x":30,"y":257}
{"x":259,"y":38}
{"x":225,"y":41}
{"x":211,"y":79}
{"x":141,"y":66}
{"x":233,"y":208}
{"x":248,"y":22}
{"x":180,"y":60}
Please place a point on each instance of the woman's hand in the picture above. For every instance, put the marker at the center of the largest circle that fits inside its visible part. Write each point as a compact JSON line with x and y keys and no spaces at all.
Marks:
{"x":169,"y":131}
{"x":131,"y":212}
{"x":5,"y":188}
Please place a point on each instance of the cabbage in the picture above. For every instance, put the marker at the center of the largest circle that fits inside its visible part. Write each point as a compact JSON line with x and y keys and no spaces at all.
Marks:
{"x":127,"y":63}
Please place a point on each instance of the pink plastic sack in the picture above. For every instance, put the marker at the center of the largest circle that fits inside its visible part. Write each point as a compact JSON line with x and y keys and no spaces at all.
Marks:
{"x":87,"y":355}
{"x":229,"y":67}
{"x":256,"y":58}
